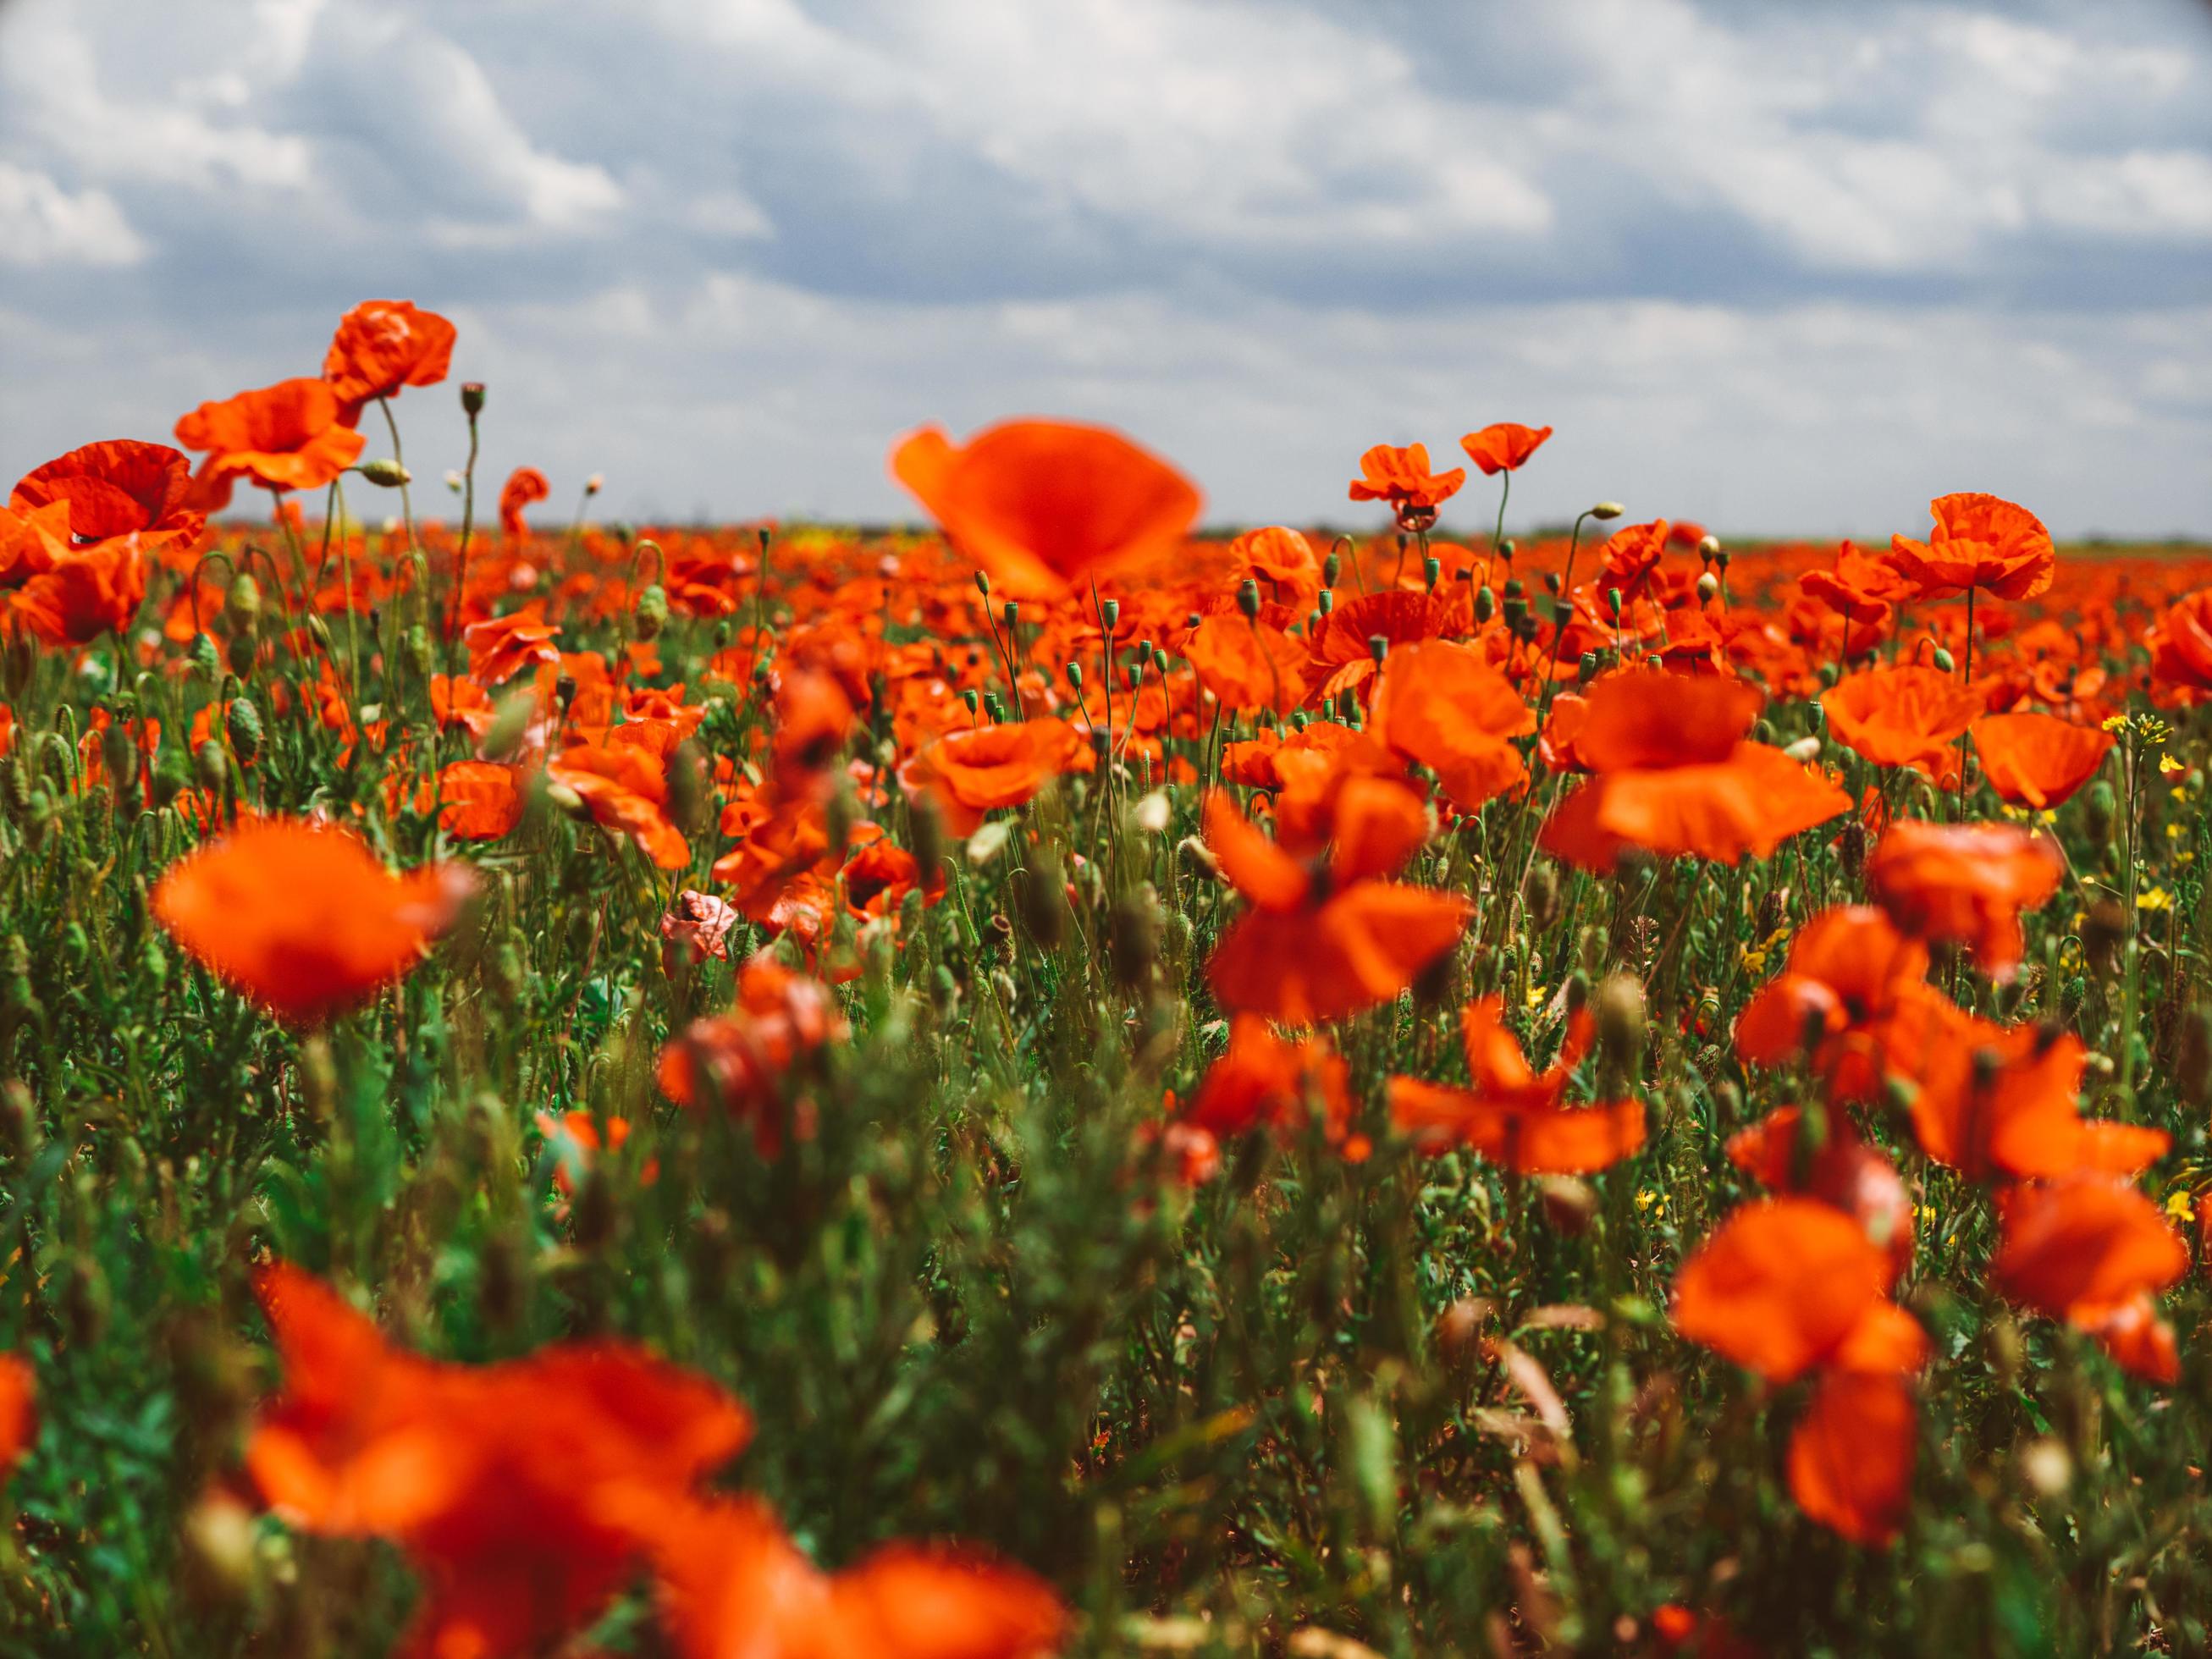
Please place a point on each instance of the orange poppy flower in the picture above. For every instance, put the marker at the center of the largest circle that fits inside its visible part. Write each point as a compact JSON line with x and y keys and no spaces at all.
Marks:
{"x":1979,"y":541}
{"x":1263,"y":1080}
{"x":524,"y":486}
{"x":1442,"y":705}
{"x":1843,"y":1171}
{"x":1248,"y":664}
{"x":966,"y":773}
{"x":1281,"y":561}
{"x":1503,"y":447}
{"x":1043,"y":505}
{"x":878,"y":876}
{"x":1965,"y":883}
{"x":2038,"y":760}
{"x":739,"y":1061}
{"x":476,"y":800}
{"x":1401,"y":477}
{"x":500,"y":647}
{"x":1847,"y":968}
{"x":19,"y":1415}
{"x":1864,"y":588}
{"x":121,"y":487}
{"x":1675,"y":776}
{"x":2091,"y":1250}
{"x":286,"y":436}
{"x":68,"y":595}
{"x":1304,"y":953}
{"x":382,"y":345}
{"x":780,"y":844}
{"x":2180,"y":643}
{"x":1902,"y":715}
{"x":734,"y":1586}
{"x":304,"y":922}
{"x":507,"y":1485}
{"x":1512,"y":1115}
{"x":624,"y":786}
{"x":1631,"y":554}
{"x":1343,"y":647}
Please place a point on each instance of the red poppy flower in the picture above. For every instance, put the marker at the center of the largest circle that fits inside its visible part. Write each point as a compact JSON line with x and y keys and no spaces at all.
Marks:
{"x":1849,"y":969}
{"x":524,"y":486}
{"x":19,"y":1415}
{"x":2091,"y":1250}
{"x":694,"y":928}
{"x":624,"y":786}
{"x":969,"y":772}
{"x":739,"y":1061}
{"x":1979,"y":542}
{"x":1401,"y":477}
{"x":1513,"y":1115}
{"x":2180,"y":643}
{"x":1281,"y":561}
{"x":1843,"y":1171}
{"x":304,"y":921}
{"x":1503,"y":447}
{"x":476,"y":800}
{"x":382,"y":345}
{"x":1965,"y":883}
{"x":500,"y":647}
{"x":2038,"y":760}
{"x":118,"y":488}
{"x":1265,"y":1081}
{"x":1900,"y":715}
{"x":1043,"y":505}
{"x":286,"y":436}
{"x":63,"y":593}
{"x":1631,"y":554}
{"x":1248,"y":664}
{"x":1442,"y":705}
{"x":1343,"y":648}
{"x":1321,"y":945}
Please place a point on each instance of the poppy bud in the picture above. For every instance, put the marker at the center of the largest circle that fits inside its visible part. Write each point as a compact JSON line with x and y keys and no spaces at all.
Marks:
{"x":205,"y":660}
{"x":1132,"y":675}
{"x":1517,"y":610}
{"x":241,"y":654}
{"x":1620,"y":1020}
{"x":454,"y":481}
{"x":241,"y":605}
{"x":1041,"y":900}
{"x":1326,"y":601}
{"x":1607,"y":510}
{"x":1111,"y":610}
{"x":1485,"y":603}
{"x":472,"y":398}
{"x":1248,"y":598}
{"x":385,"y":472}
{"x":420,"y":656}
{"x":241,"y":722}
{"x":1075,"y":675}
{"x":1330,"y":566}
{"x":1539,"y":895}
{"x":212,"y":765}
{"x":1613,"y":602}
{"x":1563,"y":611}
{"x":1709,"y":547}
{"x":15,"y":787}
{"x":1010,"y":614}
{"x":1709,"y":587}
{"x":1432,"y":567}
{"x":925,"y":835}
{"x":983,"y":584}
{"x":1851,"y":843}
{"x":1586,"y":670}
{"x":1378,"y":646}
{"x":651,"y":614}
{"x":1944,"y":659}
{"x":691,"y":802}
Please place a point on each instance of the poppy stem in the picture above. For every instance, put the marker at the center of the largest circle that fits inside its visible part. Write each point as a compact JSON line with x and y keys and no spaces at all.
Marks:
{"x":1497,"y":533}
{"x":468,"y":530}
{"x":406,"y":504}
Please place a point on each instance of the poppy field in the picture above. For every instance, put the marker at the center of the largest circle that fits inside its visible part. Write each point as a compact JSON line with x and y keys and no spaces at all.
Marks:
{"x":1060,"y":1081}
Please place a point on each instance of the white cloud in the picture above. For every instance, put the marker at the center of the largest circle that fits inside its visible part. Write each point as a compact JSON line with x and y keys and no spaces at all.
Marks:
{"x":43,"y":224}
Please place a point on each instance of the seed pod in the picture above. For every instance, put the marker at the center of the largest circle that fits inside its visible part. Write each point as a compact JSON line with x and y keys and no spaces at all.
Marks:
{"x":212,"y":765}
{"x":1540,"y":893}
{"x":691,"y":802}
{"x":472,"y":398}
{"x":205,"y":658}
{"x":242,"y":606}
{"x":650,"y":614}
{"x":242,"y":723}
{"x":386,"y":473}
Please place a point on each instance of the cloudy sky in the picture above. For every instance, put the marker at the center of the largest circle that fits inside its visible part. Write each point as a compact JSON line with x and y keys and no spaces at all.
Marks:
{"x":1774,"y":267}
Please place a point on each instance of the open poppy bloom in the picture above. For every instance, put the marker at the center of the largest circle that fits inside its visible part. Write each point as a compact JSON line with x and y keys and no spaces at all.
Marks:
{"x":1325,"y":939}
{"x":507,"y":1486}
{"x":382,"y":345}
{"x":476,"y":800}
{"x":1788,"y":1287}
{"x":1629,"y":556}
{"x":1281,"y":561}
{"x":1676,"y":775}
{"x":305,"y":921}
{"x":1965,"y":883}
{"x":2092,"y":1250}
{"x":19,"y":1413}
{"x":1248,"y":664}
{"x":733,"y":1585}
{"x":1401,"y":477}
{"x":1503,"y":447}
{"x":286,"y":436}
{"x":1903,"y":716}
{"x":1979,"y":541}
{"x":1045,"y":505}
{"x":1265,"y":1081}
{"x":119,"y":489}
{"x":62,"y":591}
{"x":1513,"y":1115}
{"x":1840,"y":1168}
{"x":1863,"y":590}
{"x":2038,"y":760}
{"x":500,"y":647}
{"x":966,"y":773}
{"x":1343,"y":648}
{"x":624,"y":787}
{"x":524,"y":486}
{"x":2180,"y":643}
{"x":1442,"y":705}
{"x":1849,"y":968}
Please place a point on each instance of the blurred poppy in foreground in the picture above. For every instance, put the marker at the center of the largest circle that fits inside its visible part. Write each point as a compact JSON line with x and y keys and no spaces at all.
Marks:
{"x":966,"y":773}
{"x":1965,"y":884}
{"x":2038,"y":760}
{"x":2091,"y":1250}
{"x":1440,"y":704}
{"x":286,"y":436}
{"x":305,"y":921}
{"x":19,"y":1415}
{"x":1043,"y":505}
{"x":2180,"y":643}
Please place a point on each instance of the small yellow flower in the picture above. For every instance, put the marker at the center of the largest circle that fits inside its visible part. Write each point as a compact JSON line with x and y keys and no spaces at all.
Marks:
{"x":1535,"y":997}
{"x":2117,"y":723}
{"x":2155,"y":898}
{"x":2171,"y":767}
{"x":2179,"y":1203}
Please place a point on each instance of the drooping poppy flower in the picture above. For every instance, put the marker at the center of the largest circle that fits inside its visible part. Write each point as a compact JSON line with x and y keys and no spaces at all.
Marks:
{"x":694,"y":928}
{"x":624,"y":786}
{"x":1675,"y":775}
{"x":739,"y":1061}
{"x":1899,"y":714}
{"x":1965,"y":883}
{"x":1401,"y":477}
{"x":1847,"y":970}
{"x":524,"y":486}
{"x":1843,"y":1171}
{"x":1513,"y":1115}
{"x":19,"y":1412}
{"x":734,"y":1586}
{"x":2092,"y":1250}
{"x":2180,"y":643}
{"x":305,"y":921}
{"x":1248,"y":664}
{"x":1787,"y":1286}
{"x":382,"y":345}
{"x":1504,"y":447}
{"x":476,"y":800}
{"x":2038,"y":760}
{"x":1045,"y":505}
{"x":286,"y":436}
{"x":119,"y":489}
{"x":968,"y":773}
{"x":509,"y":1487}
{"x":1316,"y":946}
{"x":1980,"y":541}
{"x":1442,"y":705}
{"x":1265,"y":1081}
